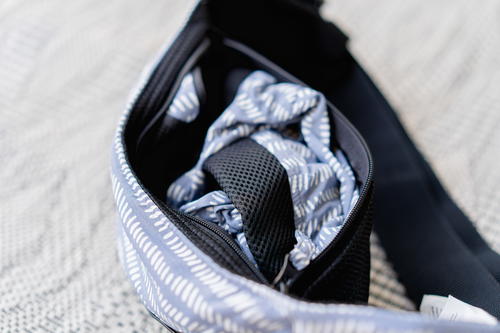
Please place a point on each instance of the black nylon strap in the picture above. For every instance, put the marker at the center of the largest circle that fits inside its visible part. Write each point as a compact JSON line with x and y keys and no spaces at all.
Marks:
{"x":257,"y":184}
{"x":432,"y":246}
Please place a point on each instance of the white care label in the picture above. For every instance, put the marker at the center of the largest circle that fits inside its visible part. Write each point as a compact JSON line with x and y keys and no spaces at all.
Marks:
{"x":451,"y":308}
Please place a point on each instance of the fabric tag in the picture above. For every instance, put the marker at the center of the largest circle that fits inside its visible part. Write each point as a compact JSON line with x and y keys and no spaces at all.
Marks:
{"x":451,"y":308}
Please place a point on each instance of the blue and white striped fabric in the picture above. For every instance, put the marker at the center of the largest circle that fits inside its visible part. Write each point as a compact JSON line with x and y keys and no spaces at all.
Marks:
{"x":189,"y":292}
{"x":322,"y":183}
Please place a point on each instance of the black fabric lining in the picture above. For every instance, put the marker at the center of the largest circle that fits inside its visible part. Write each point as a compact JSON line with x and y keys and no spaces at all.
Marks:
{"x":153,"y":162}
{"x":290,"y":33}
{"x":257,"y":184}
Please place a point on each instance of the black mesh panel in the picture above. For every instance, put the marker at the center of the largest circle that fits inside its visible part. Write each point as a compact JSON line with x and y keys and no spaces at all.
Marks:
{"x":257,"y":184}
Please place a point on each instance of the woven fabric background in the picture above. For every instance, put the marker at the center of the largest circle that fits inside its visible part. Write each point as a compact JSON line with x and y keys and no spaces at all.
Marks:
{"x":66,"y":69}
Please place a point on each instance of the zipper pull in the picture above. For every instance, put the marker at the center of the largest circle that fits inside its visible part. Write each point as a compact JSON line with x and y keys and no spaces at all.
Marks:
{"x":282,"y":279}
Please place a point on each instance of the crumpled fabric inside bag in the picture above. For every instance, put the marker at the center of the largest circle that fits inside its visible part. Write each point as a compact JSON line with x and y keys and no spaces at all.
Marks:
{"x":291,"y":121}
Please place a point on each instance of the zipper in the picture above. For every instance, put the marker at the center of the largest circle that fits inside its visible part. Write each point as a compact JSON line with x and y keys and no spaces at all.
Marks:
{"x":220,"y":233}
{"x":216,"y":231}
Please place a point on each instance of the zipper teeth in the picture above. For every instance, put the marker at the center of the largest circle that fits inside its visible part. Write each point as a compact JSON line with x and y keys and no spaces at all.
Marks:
{"x":214,"y":229}
{"x":229,"y":241}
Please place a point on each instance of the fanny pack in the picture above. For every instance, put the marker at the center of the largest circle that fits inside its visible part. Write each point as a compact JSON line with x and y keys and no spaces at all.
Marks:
{"x":243,"y":173}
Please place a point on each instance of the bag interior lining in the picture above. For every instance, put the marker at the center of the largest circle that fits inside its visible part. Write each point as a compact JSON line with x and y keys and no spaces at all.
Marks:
{"x":217,"y":62}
